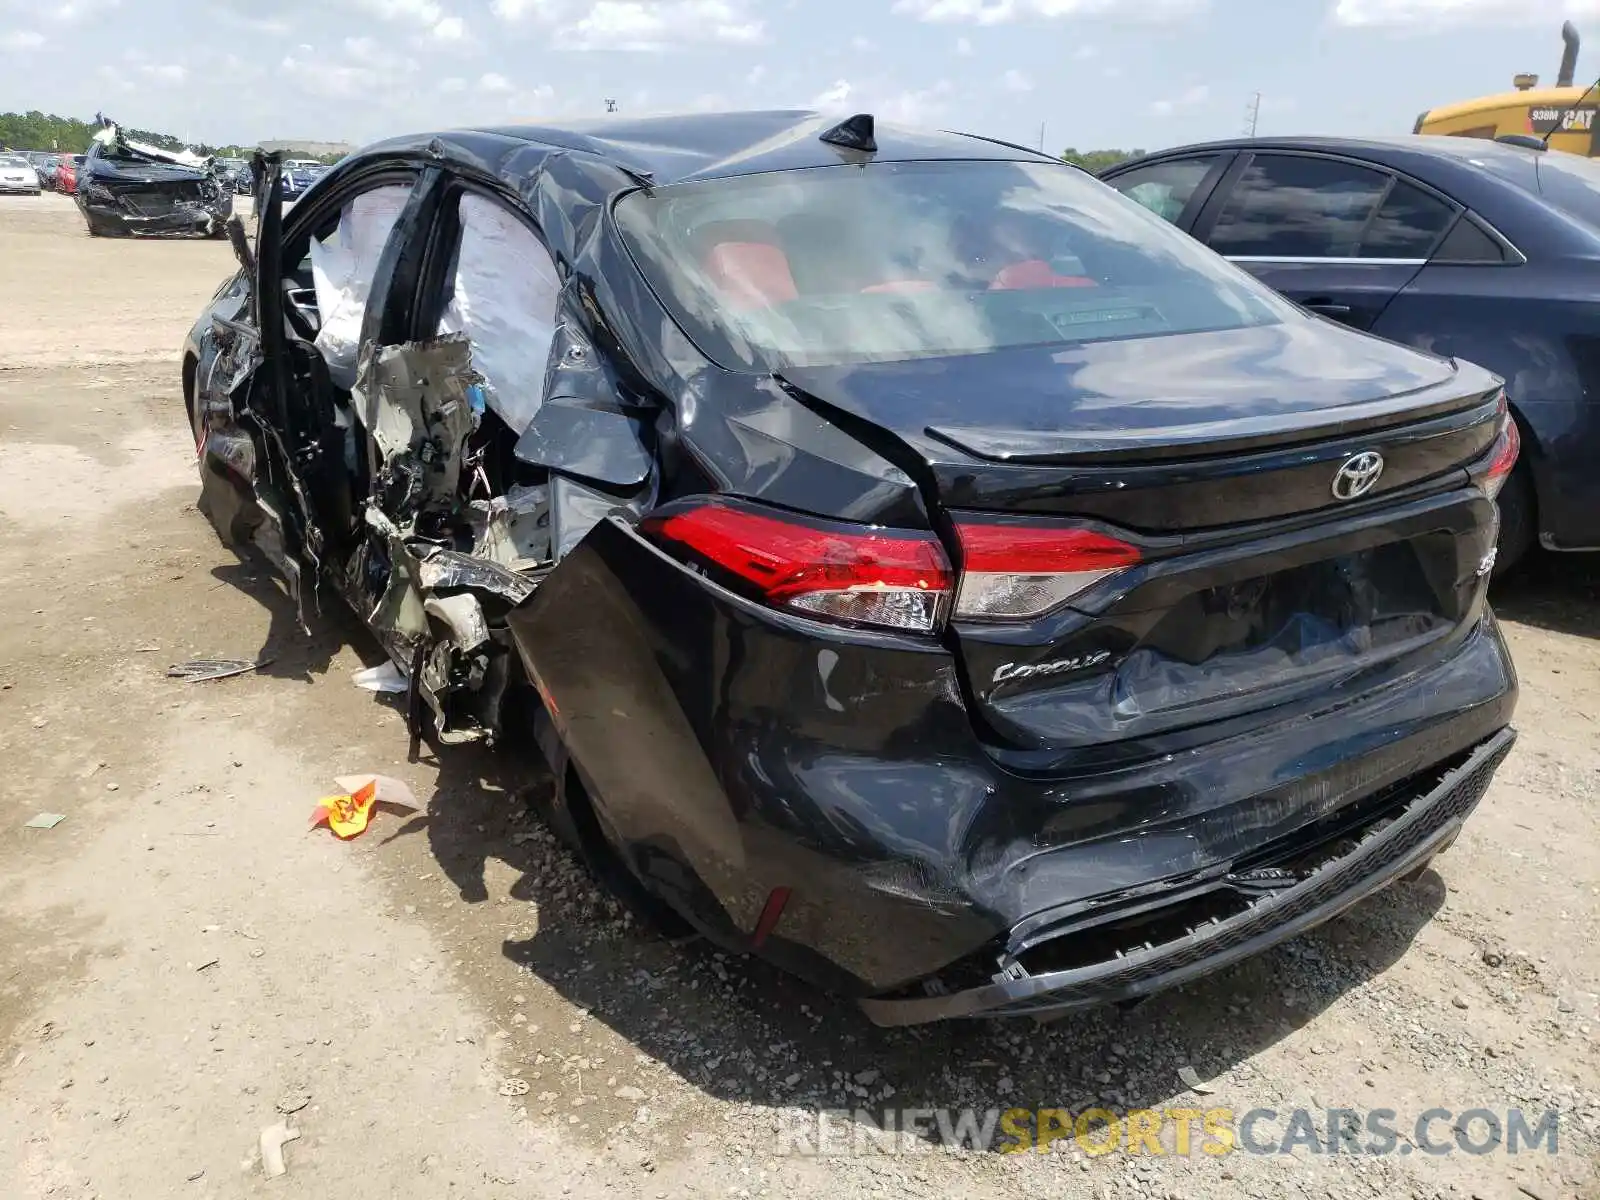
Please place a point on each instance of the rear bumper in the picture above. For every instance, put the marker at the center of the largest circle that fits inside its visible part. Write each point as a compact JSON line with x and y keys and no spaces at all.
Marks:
{"x":19,"y":189}
{"x":733,"y":753}
{"x":1413,"y":835}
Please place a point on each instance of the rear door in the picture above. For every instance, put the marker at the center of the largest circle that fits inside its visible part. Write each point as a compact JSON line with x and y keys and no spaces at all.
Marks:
{"x":1340,"y":237}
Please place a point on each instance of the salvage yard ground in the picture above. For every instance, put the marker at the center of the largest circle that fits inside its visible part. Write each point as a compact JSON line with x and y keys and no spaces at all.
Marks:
{"x":447,"y":1007}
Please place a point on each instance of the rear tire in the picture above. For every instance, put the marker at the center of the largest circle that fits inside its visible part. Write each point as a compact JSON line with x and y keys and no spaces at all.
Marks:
{"x":574,"y":819}
{"x":1519,"y":523}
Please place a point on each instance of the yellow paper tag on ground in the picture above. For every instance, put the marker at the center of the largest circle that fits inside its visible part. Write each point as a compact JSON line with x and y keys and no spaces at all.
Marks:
{"x":348,"y":816}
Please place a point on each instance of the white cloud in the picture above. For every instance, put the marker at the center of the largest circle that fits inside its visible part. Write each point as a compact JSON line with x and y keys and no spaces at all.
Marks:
{"x":862,"y":44}
{"x":367,"y":70}
{"x":637,"y":24}
{"x":1016,"y":81}
{"x":450,"y":29}
{"x":494,"y":83}
{"x":833,"y":97}
{"x":515,"y":10}
{"x":21,"y":39}
{"x":1193,"y":97}
{"x":964,"y":46}
{"x":998,"y":12}
{"x":452,"y":85}
{"x":1437,"y":13}
{"x":164,"y":72}
{"x":912,"y":106}
{"x":420,"y":12}
{"x":79,"y":10}
{"x":755,"y":75}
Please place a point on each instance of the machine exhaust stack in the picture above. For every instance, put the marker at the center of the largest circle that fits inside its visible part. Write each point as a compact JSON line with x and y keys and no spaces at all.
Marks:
{"x":1569,"y":56}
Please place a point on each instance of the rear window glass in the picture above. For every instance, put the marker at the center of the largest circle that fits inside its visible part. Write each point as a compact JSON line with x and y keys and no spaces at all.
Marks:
{"x":11,"y":160}
{"x":911,"y":260}
{"x":1571,"y":184}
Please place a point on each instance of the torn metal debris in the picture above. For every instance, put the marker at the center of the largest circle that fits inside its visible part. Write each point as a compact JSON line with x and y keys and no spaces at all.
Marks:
{"x":202,"y":669}
{"x":128,"y":189}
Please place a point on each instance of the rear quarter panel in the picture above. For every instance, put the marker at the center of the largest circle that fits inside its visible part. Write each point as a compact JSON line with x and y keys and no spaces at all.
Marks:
{"x":1539,"y":329}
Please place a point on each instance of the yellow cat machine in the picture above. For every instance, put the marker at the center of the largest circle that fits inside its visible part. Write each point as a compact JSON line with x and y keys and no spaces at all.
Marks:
{"x":1555,"y":118}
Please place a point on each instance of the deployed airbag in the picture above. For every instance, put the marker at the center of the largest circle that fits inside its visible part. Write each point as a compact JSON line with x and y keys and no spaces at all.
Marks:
{"x":504,"y":299}
{"x":342,"y":270}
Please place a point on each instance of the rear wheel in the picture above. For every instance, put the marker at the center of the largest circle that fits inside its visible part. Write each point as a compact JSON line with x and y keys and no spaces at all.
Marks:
{"x":574,"y":820}
{"x":1518,"y":520}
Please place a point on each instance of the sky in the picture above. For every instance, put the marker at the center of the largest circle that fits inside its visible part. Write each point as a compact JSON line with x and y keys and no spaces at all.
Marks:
{"x":1088,"y":74}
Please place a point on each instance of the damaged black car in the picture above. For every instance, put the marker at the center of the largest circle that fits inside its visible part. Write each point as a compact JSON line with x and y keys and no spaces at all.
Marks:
{"x":128,"y":189}
{"x":925,"y":568}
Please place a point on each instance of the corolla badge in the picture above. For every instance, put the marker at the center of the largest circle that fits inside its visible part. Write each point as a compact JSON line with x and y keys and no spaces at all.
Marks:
{"x":1357,"y":475}
{"x":1059,"y":667}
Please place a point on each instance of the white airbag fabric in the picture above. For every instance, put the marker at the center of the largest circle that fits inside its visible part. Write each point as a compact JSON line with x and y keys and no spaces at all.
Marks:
{"x":342,"y":270}
{"x":506,"y":290}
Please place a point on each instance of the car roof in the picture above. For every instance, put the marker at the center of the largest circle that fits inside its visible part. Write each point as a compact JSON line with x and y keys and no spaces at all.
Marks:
{"x":673,"y":149}
{"x":1380,"y":146}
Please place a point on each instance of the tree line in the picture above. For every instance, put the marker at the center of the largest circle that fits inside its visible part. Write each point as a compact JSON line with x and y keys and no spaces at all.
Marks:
{"x":1095,"y":161}
{"x":68,"y":135}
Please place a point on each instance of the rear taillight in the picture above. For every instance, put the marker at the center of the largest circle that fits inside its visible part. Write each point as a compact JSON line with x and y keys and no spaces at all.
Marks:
{"x":887,"y":578}
{"x":861,"y":574}
{"x":1012,"y":571}
{"x":1506,"y":448}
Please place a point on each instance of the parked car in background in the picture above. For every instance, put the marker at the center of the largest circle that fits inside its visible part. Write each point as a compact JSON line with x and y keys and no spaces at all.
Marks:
{"x":299,"y":176}
{"x":227,"y":172}
{"x":67,"y":167}
{"x":926,"y":569}
{"x":1467,"y":248}
{"x":18,"y":176}
{"x":40,"y":160}
{"x":128,"y":189}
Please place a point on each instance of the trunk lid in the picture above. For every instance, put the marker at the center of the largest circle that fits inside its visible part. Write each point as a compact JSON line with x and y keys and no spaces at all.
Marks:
{"x":1215,"y":457}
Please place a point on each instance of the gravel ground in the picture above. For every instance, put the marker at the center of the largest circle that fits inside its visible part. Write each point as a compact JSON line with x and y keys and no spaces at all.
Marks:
{"x":448,"y":1006}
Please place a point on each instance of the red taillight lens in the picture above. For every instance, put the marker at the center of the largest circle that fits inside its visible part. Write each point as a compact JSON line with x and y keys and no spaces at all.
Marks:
{"x":1506,"y":448}
{"x":1012,"y":572}
{"x":866,"y":575}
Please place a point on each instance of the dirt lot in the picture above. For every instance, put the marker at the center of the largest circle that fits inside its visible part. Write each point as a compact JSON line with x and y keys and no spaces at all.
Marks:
{"x":180,"y":960}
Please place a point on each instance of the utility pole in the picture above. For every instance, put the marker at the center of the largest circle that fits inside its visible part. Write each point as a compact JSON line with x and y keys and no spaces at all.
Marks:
{"x":611,"y":105}
{"x":1252,"y":116}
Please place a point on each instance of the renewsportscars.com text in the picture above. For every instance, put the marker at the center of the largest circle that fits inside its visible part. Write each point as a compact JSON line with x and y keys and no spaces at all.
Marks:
{"x":1170,"y":1131}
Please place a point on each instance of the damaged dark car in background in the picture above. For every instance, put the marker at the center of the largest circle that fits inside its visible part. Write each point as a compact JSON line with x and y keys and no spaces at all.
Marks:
{"x":127,"y":189}
{"x":925,"y":568}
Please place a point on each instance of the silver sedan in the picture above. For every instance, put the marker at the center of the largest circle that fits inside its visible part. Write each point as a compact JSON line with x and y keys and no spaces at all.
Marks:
{"x":17,"y":175}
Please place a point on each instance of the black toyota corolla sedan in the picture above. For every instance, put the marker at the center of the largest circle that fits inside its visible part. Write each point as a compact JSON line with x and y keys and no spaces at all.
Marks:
{"x":926,"y":568}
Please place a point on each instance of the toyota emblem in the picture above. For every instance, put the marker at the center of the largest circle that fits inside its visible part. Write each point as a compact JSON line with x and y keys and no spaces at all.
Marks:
{"x":1357,"y":475}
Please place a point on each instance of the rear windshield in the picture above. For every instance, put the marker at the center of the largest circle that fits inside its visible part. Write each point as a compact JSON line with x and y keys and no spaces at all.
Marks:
{"x":11,"y":160}
{"x":890,"y":261}
{"x":1571,"y":184}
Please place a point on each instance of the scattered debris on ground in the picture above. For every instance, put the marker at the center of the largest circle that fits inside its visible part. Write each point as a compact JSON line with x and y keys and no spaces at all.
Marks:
{"x":202,"y":669}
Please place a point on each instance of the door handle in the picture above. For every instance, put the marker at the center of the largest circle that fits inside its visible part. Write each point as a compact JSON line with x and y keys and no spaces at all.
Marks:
{"x":1328,"y":308}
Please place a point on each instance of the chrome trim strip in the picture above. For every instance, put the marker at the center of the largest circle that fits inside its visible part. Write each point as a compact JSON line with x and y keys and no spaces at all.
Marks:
{"x":1328,"y":262}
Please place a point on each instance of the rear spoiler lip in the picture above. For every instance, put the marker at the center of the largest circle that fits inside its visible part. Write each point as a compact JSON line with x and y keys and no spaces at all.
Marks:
{"x":1213,"y":439}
